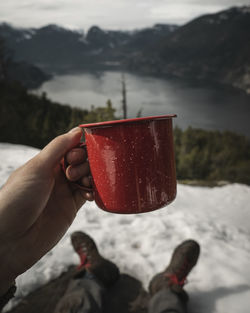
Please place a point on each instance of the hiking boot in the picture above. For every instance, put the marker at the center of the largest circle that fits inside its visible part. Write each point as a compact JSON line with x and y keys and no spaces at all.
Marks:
{"x":103,"y":270}
{"x":184,"y":258}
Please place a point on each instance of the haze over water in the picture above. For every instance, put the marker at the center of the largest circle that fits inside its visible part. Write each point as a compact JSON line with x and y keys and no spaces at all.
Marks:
{"x":197,"y":106}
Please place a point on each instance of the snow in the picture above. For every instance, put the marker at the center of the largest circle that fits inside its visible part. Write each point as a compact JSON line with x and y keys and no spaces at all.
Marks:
{"x":141,"y":245}
{"x":74,"y":28}
{"x":83,"y":39}
{"x":223,"y":16}
{"x":27,"y":35}
{"x":244,"y":9}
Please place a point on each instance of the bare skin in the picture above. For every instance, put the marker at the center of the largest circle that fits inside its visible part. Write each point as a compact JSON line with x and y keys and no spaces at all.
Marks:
{"x":38,"y":203}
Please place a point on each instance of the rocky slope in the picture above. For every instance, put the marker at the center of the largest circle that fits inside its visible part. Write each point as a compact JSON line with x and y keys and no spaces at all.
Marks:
{"x":213,"y":47}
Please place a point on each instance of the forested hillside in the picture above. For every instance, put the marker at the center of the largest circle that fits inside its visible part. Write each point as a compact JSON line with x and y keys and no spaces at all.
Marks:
{"x":35,"y":120}
{"x":200,"y":155}
{"x":212,"y":156}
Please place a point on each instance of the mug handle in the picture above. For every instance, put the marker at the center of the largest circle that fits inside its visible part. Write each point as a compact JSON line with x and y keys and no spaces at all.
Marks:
{"x":64,"y":165}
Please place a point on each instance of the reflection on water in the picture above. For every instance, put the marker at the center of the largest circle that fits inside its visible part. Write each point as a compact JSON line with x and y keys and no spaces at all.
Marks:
{"x":196,"y":106}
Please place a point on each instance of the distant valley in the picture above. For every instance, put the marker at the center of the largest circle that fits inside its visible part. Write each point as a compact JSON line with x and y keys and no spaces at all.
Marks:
{"x":212,"y":48}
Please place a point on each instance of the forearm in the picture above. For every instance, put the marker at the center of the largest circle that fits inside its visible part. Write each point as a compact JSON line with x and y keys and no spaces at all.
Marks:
{"x":7,"y":277}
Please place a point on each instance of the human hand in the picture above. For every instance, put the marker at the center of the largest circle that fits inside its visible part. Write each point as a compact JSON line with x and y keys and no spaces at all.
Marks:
{"x":38,"y":203}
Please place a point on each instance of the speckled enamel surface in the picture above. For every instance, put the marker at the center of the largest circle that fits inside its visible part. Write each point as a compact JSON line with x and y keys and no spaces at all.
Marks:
{"x":132,"y":165}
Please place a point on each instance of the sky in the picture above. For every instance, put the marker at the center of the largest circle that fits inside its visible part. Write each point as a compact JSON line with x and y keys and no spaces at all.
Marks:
{"x":108,"y":14}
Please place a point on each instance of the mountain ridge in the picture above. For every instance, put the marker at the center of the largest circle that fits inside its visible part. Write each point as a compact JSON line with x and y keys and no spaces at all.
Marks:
{"x":54,"y":47}
{"x":213,"y":48}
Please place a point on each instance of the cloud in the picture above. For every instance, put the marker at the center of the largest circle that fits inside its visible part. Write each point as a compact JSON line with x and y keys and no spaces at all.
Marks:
{"x":50,"y":7}
{"x":40,"y":5}
{"x":109,"y":14}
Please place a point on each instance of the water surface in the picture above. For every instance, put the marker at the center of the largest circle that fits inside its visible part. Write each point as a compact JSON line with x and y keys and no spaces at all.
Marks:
{"x":196,"y":106}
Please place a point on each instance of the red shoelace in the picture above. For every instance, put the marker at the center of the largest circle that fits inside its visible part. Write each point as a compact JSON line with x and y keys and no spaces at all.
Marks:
{"x":84,"y":263}
{"x":173,"y":280}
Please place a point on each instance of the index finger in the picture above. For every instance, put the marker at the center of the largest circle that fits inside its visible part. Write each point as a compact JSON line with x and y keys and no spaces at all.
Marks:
{"x":76,"y":156}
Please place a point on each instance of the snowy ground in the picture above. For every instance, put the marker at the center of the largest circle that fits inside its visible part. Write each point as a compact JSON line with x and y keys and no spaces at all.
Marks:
{"x":141,"y":245}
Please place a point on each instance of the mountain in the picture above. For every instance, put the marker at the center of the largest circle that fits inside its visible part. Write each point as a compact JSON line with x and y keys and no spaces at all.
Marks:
{"x":148,"y":37}
{"x":29,"y":75}
{"x":54,"y":48}
{"x":214,"y":47}
{"x":44,"y":46}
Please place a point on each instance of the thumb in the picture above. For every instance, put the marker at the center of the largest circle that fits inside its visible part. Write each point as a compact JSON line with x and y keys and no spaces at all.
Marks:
{"x":53,"y":153}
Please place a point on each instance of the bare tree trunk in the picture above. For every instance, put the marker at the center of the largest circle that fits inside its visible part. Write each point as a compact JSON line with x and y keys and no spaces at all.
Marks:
{"x":124,"y":96}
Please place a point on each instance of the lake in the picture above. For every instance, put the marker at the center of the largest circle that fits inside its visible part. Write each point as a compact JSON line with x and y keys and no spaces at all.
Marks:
{"x":197,"y":106}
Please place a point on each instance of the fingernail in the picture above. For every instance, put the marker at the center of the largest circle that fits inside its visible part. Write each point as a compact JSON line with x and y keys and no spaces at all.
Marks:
{"x":75,"y":129}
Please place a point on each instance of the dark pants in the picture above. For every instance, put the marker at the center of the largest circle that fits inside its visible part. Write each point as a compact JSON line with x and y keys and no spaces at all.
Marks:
{"x":166,"y":301}
{"x":85,"y":295}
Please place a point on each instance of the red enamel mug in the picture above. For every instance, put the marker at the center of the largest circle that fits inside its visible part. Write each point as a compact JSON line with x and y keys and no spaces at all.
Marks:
{"x":132,"y":163}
